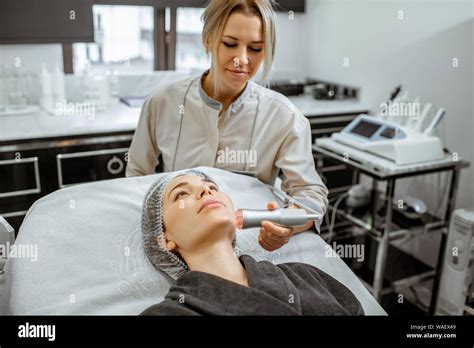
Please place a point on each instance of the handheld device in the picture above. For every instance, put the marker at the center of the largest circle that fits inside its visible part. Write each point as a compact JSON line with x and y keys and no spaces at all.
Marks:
{"x":250,"y":218}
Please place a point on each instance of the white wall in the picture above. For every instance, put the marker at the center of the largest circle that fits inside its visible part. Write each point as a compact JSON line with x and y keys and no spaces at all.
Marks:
{"x":291,"y":54}
{"x":416,"y":51}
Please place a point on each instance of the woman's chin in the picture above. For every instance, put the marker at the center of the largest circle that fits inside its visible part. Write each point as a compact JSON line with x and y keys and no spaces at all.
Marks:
{"x":220,"y":221}
{"x":236,"y":84}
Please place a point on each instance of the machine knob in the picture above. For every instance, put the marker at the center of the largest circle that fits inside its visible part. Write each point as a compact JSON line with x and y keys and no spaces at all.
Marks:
{"x":115,"y":165}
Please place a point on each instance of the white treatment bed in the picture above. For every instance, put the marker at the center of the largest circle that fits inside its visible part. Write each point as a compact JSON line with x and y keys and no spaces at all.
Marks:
{"x":91,"y":261}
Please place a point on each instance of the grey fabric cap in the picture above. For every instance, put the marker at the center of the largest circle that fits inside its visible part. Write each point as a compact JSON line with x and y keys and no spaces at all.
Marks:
{"x":152,"y":227}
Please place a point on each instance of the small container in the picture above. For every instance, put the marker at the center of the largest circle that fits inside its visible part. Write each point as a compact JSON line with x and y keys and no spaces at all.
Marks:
{"x":46,"y":100}
{"x":58,"y":89}
{"x":96,"y":90}
{"x":15,"y":91}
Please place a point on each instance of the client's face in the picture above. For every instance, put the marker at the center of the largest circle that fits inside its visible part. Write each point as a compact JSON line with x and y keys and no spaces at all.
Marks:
{"x":196,"y":214}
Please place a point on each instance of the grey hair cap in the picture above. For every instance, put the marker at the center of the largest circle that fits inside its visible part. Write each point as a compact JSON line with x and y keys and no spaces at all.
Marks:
{"x":154,"y":241}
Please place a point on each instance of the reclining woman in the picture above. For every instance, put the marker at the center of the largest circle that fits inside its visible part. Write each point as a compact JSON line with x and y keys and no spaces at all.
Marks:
{"x":188,"y":227}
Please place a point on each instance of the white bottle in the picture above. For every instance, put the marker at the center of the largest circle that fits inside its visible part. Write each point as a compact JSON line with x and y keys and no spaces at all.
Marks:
{"x":2,"y":88}
{"x":96,"y":91}
{"x":59,"y":95}
{"x":114,"y":86}
{"x":112,"y":76}
{"x":46,"y":100}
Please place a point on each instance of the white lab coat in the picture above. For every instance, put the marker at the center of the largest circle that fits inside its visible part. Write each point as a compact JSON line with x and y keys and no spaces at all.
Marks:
{"x":281,"y":139}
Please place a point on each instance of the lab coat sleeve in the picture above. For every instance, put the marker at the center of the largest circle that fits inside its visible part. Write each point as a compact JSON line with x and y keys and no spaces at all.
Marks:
{"x":299,"y":177}
{"x":143,"y":153}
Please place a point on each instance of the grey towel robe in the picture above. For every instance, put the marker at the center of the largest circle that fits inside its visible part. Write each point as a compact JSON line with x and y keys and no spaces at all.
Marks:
{"x":285,"y":289}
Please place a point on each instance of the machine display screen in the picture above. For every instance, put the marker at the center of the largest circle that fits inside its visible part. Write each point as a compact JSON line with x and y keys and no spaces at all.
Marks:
{"x":365,"y":129}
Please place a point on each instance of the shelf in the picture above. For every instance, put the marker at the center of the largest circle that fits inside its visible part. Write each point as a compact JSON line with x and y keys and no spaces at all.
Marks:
{"x":421,"y":299}
{"x":373,"y":220}
{"x":426,"y":224}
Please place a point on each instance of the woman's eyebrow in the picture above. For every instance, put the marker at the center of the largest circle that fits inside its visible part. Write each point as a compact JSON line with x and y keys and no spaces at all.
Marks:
{"x":236,"y":39}
{"x":179,"y":185}
{"x":212,"y":182}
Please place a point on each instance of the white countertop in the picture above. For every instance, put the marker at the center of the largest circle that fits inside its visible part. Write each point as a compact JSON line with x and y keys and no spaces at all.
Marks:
{"x":121,"y":118}
{"x":117,"y":118}
{"x":318,"y":107}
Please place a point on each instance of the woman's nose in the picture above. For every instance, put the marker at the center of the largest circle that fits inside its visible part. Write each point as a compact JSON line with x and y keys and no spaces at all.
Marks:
{"x":241,"y":59}
{"x":205,"y":190}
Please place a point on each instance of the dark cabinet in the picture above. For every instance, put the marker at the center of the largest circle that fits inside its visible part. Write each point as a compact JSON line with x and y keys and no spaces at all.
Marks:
{"x":289,"y":5}
{"x":48,"y":165}
{"x":278,"y":5}
{"x":46,"y":21}
{"x":337,"y":177}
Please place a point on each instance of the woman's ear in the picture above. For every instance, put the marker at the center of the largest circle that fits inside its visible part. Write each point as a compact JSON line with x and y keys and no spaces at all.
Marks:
{"x":170,"y":245}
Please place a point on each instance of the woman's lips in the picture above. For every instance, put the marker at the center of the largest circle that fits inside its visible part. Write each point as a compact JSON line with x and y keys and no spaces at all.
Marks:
{"x":238,"y":73}
{"x":211,"y":203}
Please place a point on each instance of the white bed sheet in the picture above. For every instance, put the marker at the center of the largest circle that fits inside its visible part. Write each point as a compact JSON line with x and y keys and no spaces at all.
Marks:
{"x":91,"y":260}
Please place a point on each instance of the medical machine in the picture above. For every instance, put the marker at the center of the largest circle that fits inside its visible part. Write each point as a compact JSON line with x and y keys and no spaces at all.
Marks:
{"x":389,"y":140}
{"x":457,"y":270}
{"x":250,"y":218}
{"x":402,"y":132}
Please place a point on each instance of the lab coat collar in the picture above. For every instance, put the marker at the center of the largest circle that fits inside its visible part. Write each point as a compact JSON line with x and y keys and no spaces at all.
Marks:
{"x":218,"y":105}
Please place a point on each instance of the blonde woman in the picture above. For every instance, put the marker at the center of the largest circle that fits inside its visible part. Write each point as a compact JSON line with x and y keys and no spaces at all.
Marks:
{"x":223,"y":119}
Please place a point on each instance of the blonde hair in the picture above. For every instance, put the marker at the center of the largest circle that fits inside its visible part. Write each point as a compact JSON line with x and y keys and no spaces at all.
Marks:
{"x":215,"y":17}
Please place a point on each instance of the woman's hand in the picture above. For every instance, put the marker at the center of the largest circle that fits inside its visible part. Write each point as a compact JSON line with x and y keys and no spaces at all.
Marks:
{"x":273,"y":236}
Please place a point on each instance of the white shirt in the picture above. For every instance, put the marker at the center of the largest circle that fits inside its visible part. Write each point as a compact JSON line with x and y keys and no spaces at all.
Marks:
{"x":261,"y":131}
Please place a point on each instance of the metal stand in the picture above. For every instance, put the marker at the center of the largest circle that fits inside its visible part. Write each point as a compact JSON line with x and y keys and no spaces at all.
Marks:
{"x":380,"y":175}
{"x":383,"y":243}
